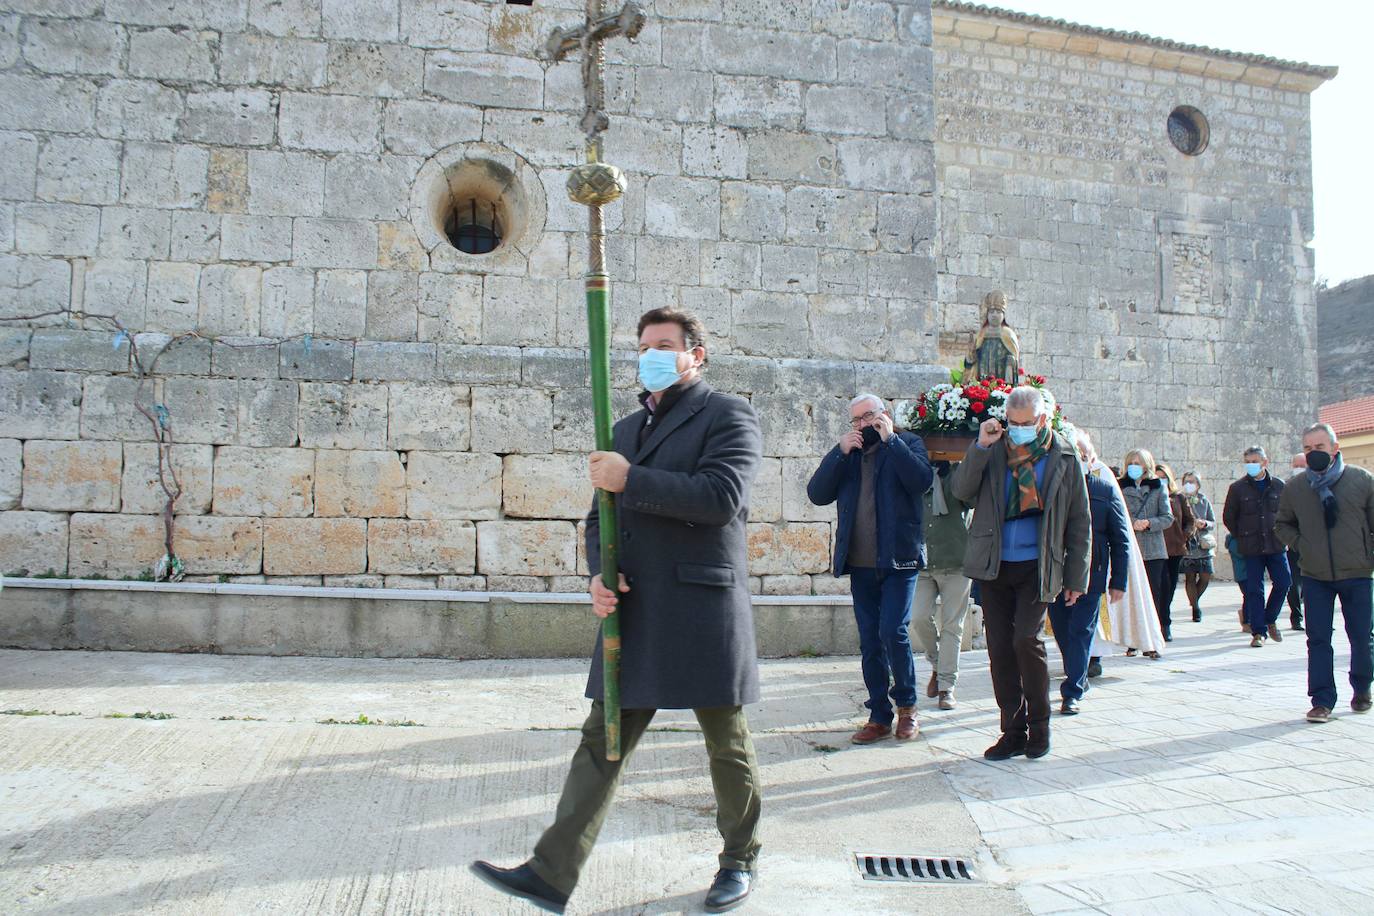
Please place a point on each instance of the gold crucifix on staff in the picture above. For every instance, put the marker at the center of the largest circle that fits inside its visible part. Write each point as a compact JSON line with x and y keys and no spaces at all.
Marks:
{"x":595,"y":184}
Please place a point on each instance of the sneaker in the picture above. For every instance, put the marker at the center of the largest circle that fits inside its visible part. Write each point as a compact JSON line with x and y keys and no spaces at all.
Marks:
{"x":1319,"y":714}
{"x":947,"y":699}
{"x":933,"y":687}
{"x":1095,"y":666}
{"x":1256,"y":642}
{"x":1360,"y":702}
{"x":1274,"y":633}
{"x":1007,"y":746}
{"x":871,"y":732}
{"x":907,"y":726}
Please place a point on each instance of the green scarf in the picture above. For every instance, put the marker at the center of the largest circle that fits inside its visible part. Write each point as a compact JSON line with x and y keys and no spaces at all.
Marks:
{"x":1021,"y":461}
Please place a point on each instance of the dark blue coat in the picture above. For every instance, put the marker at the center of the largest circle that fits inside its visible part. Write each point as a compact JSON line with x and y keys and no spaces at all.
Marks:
{"x":1111,"y":535}
{"x":902,"y":474}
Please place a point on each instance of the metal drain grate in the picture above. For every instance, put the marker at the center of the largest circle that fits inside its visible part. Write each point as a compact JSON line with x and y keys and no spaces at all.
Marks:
{"x":915,"y":869}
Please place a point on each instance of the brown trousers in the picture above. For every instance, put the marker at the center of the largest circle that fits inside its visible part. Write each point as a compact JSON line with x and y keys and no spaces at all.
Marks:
{"x":1014,"y":618}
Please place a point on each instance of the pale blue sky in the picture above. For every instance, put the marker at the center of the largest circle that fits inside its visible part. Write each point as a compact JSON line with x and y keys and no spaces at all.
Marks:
{"x":1327,"y":32}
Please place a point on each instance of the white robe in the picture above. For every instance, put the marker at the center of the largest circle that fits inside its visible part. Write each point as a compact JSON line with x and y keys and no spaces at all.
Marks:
{"x":1131,"y":622}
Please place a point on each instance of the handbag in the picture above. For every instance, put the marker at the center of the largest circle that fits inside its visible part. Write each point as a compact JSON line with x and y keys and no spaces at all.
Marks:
{"x":1207,"y":541}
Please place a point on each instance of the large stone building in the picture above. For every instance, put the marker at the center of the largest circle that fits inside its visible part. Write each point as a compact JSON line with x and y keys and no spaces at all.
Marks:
{"x":277,"y":188}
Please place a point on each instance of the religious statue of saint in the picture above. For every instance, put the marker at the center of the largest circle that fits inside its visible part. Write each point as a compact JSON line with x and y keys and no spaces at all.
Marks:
{"x":996,"y":348}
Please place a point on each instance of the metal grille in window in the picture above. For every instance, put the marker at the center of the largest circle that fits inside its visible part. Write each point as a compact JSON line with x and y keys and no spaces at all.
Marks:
{"x":474,"y":228}
{"x":1188,"y":130}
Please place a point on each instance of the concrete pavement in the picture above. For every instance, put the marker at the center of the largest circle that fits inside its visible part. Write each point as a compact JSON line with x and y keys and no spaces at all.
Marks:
{"x":1188,"y":784}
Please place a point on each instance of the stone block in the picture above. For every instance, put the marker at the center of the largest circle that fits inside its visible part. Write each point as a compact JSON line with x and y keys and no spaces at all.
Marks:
{"x":519,"y":312}
{"x":765,"y":500}
{"x":138,"y":110}
{"x":68,"y":476}
{"x":683,"y":207}
{"x":19,"y":178}
{"x":230,"y":300}
{"x":74,"y":46}
{"x":512,"y":420}
{"x":330,"y":123}
{"x":790,"y":548}
{"x":428,"y":546}
{"x":33,"y":285}
{"x":887,"y":165}
{"x":245,"y":357}
{"x":668,"y":260}
{"x":554,"y":368}
{"x":163,"y":354}
{"x":399,"y":248}
{"x":342,"y":416}
{"x":728,"y":266}
{"x":267,"y":412}
{"x":57,"y":229}
{"x":487,"y":80}
{"x":754,"y":102}
{"x":673,"y":95}
{"x":72,"y":349}
{"x":714,"y":152}
{"x":383,"y":70}
{"x":786,"y":585}
{"x":173,"y":54}
{"x":361,"y":20}
{"x":40,"y":404}
{"x":115,"y":545}
{"x":360,"y":484}
{"x":335,"y":243}
{"x":134,"y":232}
{"x":462,"y":583}
{"x":212,"y":544}
{"x":11,"y":473}
{"x":354,"y":582}
{"x":46,"y":103}
{"x":317,"y":359}
{"x":450,"y":307}
{"x":792,"y":157}
{"x":195,"y":236}
{"x":14,"y":346}
{"x":523,"y":548}
{"x":367,"y":187}
{"x":226,"y":17}
{"x":832,"y":218}
{"x":341,"y":303}
{"x":573,"y":421}
{"x":479,"y":365}
{"x":78,"y":170}
{"x":165,"y":175}
{"x":117,"y":289}
{"x":234,"y":117}
{"x":285,"y":17}
{"x":442,"y":24}
{"x":421,"y":128}
{"x":285,"y":184}
{"x":906,"y":67}
{"x":758,"y":52}
{"x":752,"y":212}
{"x":846,"y":110}
{"x":227,"y":183}
{"x":108,"y":411}
{"x":796,"y":505}
{"x":141,"y":491}
{"x":314,"y":546}
{"x":846,"y":326}
{"x":392,"y":307}
{"x":787,"y":268}
{"x":769,"y":324}
{"x":429,"y":417}
{"x":273,"y":61}
{"x":33,"y":542}
{"x":264,"y":481}
{"x":546,"y":486}
{"x":641,"y":145}
{"x":385,"y":360}
{"x":453,"y":485}
{"x":255,"y":238}
{"x":288,"y":302}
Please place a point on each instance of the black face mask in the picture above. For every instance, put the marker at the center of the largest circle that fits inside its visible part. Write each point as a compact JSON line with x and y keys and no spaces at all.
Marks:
{"x":1318,"y":461}
{"x":871,"y":437}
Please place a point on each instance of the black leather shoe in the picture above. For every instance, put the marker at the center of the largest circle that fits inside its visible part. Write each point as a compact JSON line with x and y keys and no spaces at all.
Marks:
{"x":1168,"y":634}
{"x":729,"y":890}
{"x":521,"y":881}
{"x":1095,"y":666}
{"x":1068,"y":707}
{"x":1038,"y":744}
{"x":1007,"y":746}
{"x":1360,"y":702}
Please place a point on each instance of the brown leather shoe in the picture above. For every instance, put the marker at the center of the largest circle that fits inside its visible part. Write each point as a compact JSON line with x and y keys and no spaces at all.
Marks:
{"x":907,"y":726}
{"x":1274,"y":633}
{"x":1319,"y":714}
{"x":1360,"y":702}
{"x":933,"y":688}
{"x":871,"y":732}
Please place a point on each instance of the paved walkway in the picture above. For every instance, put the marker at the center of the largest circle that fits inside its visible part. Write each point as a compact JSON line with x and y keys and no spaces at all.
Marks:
{"x":1190,"y":784}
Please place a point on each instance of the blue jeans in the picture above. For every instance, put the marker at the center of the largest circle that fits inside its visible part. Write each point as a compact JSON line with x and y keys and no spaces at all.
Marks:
{"x":1073,"y":630}
{"x":1260,"y":613}
{"x":1320,"y":600}
{"x":882,"y":611}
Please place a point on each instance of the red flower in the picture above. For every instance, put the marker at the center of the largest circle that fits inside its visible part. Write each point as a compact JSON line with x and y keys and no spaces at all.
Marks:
{"x":1039,"y":380}
{"x":920,"y":410}
{"x":977,"y":406}
{"x":1021,"y":371}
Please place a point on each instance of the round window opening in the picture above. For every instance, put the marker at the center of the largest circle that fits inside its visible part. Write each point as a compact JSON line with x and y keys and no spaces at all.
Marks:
{"x":474,"y":228}
{"x":1188,"y":130}
{"x":480,"y":206}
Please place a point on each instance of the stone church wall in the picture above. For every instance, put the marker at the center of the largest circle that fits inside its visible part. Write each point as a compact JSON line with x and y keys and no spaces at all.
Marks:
{"x":1168,"y":297}
{"x":256,"y":192}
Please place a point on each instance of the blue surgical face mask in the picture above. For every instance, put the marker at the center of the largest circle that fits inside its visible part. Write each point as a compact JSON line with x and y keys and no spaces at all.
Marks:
{"x":1022,"y":435}
{"x":658,"y":369}
{"x":1253,"y":468}
{"x":1135,"y":471}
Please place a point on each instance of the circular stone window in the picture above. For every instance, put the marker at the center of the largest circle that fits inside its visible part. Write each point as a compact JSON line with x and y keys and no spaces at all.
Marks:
{"x":477,"y":199}
{"x":1188,"y":130}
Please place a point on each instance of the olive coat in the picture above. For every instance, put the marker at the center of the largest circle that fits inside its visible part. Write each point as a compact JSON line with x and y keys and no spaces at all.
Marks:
{"x":687,"y":623}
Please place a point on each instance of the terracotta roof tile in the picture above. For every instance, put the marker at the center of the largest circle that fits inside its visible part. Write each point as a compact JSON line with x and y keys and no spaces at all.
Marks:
{"x":1346,"y":417}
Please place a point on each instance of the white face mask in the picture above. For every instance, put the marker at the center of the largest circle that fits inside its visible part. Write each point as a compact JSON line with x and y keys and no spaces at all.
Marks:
{"x":1190,"y":488}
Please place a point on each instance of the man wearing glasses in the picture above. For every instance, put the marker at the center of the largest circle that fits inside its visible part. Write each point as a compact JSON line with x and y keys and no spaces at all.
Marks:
{"x":877,"y":477}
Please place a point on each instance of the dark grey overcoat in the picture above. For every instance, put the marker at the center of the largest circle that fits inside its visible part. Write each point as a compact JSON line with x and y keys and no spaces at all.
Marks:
{"x":686,"y":625}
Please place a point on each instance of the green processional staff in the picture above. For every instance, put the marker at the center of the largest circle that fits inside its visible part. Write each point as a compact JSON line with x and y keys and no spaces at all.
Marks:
{"x":595,"y":184}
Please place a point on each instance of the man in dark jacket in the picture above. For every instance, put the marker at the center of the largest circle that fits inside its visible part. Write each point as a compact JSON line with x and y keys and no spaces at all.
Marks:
{"x":1252,"y":505}
{"x":1074,"y":626}
{"x":1031,"y":539}
{"x":682,"y":468}
{"x":1327,"y":515}
{"x":877,"y":477}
